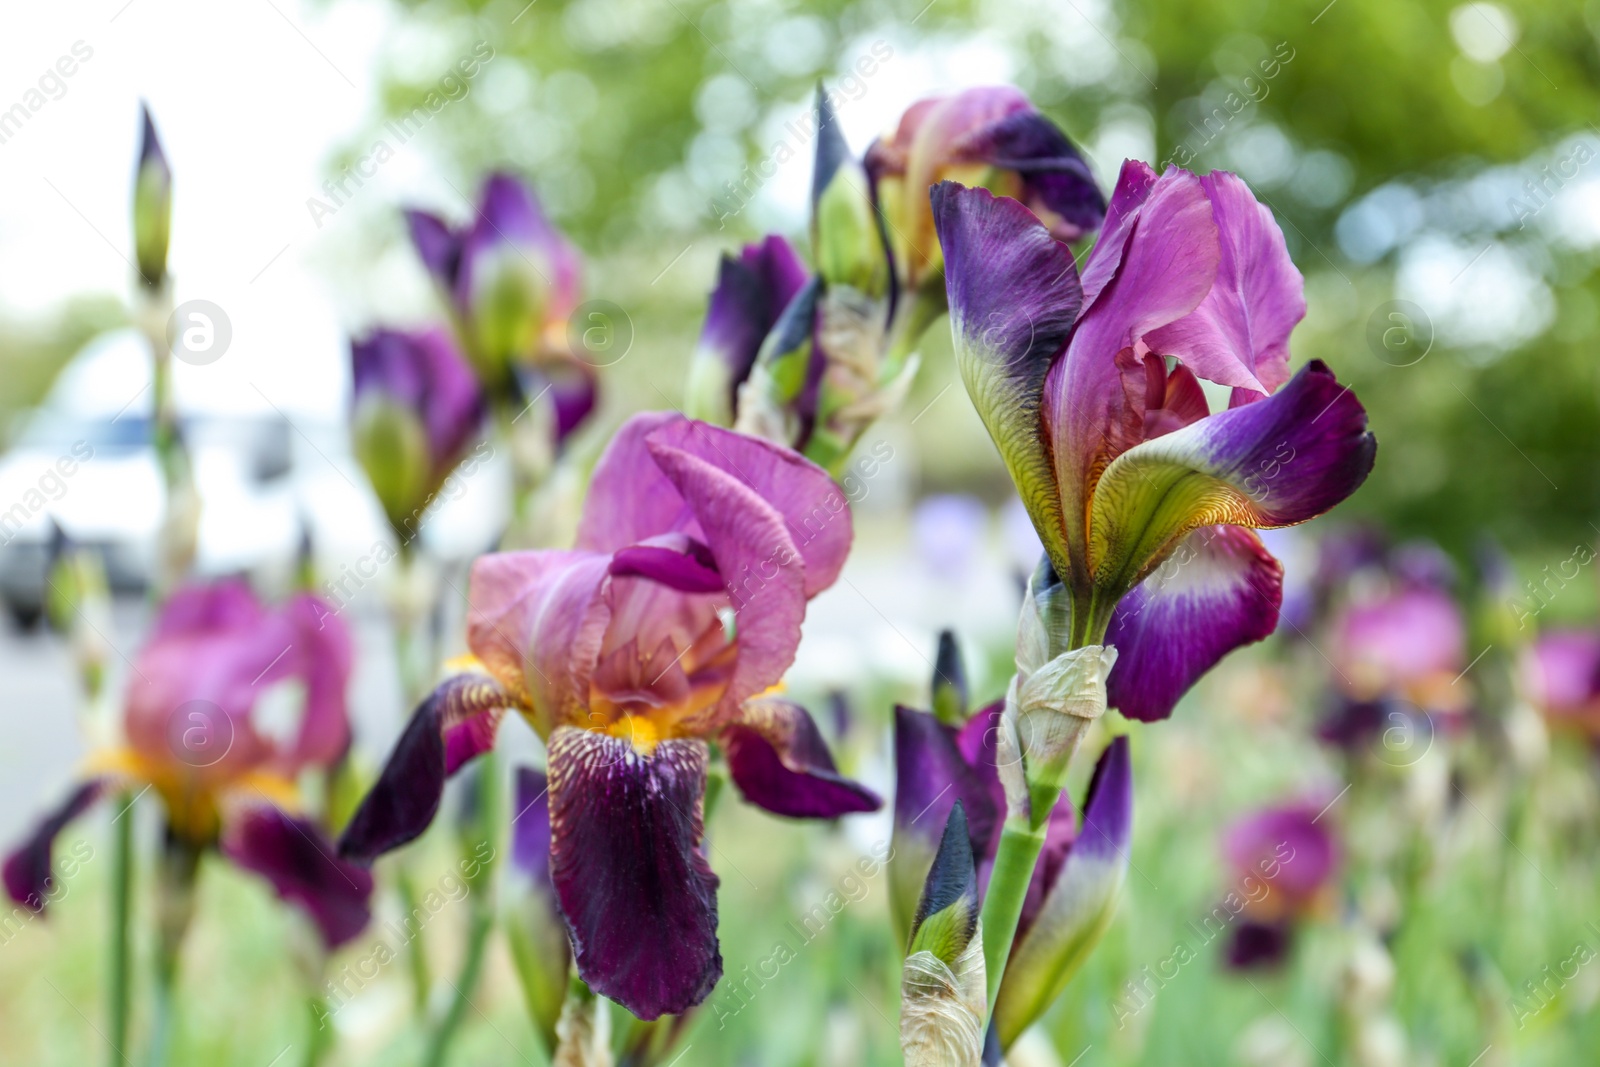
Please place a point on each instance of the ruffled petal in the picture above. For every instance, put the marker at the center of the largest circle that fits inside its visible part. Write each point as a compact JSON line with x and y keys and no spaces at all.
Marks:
{"x":762,"y":569}
{"x":813,"y":508}
{"x":28,"y":874}
{"x":638,"y":896}
{"x":536,"y":620}
{"x":1220,"y":590}
{"x":456,"y":723}
{"x":630,"y":499}
{"x":298,"y":859}
{"x":1277,"y":462}
{"x":1239,"y":335}
{"x":780,"y":762}
{"x":1014,"y":296}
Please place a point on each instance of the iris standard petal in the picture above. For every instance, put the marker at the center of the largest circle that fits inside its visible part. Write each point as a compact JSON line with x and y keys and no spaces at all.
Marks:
{"x":1078,"y":906}
{"x":298,"y":859}
{"x":536,"y":621}
{"x":456,"y":723}
{"x":814,"y":510}
{"x":27,"y":870}
{"x":779,"y":761}
{"x":1239,"y":335}
{"x":630,"y":499}
{"x":1220,"y":590}
{"x":1094,"y":396}
{"x":1013,"y":293}
{"x":1277,"y":462}
{"x":631,"y":878}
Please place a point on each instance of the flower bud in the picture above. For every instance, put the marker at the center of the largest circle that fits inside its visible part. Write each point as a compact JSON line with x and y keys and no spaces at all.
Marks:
{"x":950,"y":700}
{"x":942,"y":987}
{"x":152,"y":206}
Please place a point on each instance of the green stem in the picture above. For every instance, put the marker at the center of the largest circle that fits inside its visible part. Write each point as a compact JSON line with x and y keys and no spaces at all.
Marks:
{"x":319,"y":1039}
{"x":121,"y":909}
{"x":417,"y":949}
{"x":471,"y":967}
{"x":165,"y":1012}
{"x":1013,"y":867}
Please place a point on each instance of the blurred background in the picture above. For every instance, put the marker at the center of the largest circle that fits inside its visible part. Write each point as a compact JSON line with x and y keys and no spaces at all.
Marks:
{"x":1433,"y":166}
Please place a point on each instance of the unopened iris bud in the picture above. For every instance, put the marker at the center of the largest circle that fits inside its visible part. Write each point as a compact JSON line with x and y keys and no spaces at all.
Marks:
{"x":950,"y":701}
{"x":152,"y":206}
{"x":942,"y":987}
{"x":845,"y":234}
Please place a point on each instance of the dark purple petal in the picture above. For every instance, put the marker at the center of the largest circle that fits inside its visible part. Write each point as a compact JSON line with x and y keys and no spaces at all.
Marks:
{"x":692,"y":570}
{"x":638,"y":896}
{"x":1257,"y":945}
{"x":1220,"y":590}
{"x":298,"y":859}
{"x":750,"y":295}
{"x":422,"y":372}
{"x":437,"y":245}
{"x":779,"y":761}
{"x":453,"y":725}
{"x":1014,"y":296}
{"x":1055,"y":177}
{"x":27,"y":870}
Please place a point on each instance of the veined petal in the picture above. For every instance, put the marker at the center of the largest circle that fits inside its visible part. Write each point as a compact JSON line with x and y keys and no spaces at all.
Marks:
{"x":814,"y":510}
{"x":1014,"y":296}
{"x":456,"y":723}
{"x":1221,"y":589}
{"x":298,"y":859}
{"x":760,"y":565}
{"x":630,"y":499}
{"x":536,"y":620}
{"x":28,"y":876}
{"x":1239,"y":335}
{"x":1277,"y":462}
{"x":638,"y":896}
{"x":1094,"y":397}
{"x":779,"y":762}
{"x":1079,"y":905}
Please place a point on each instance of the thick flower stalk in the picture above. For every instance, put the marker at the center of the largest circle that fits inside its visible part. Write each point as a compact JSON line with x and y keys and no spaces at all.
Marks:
{"x":658,"y":635}
{"x":415,"y":410}
{"x":843,"y":350}
{"x":1143,"y":497}
{"x":1286,"y":861}
{"x":512,"y":282}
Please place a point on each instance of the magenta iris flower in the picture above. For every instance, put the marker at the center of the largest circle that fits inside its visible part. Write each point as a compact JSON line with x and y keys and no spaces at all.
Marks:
{"x":1561,"y":676}
{"x":415,"y":409}
{"x":660,"y":633}
{"x":1080,"y":871}
{"x":195,"y":737}
{"x":1284,"y":862}
{"x":513,"y":281}
{"x":1143,"y":496}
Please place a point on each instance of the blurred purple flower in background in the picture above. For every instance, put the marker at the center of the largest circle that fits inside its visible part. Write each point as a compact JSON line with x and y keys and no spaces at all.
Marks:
{"x":1284,"y":862}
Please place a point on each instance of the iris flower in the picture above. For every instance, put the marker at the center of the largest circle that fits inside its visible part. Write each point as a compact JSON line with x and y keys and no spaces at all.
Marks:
{"x":1078,"y":878}
{"x":512,"y":281}
{"x":1284,"y":861}
{"x":1561,"y":676}
{"x":991,"y":136}
{"x":415,"y":409}
{"x":197,"y":738}
{"x":662,"y":632}
{"x":1143,"y":497}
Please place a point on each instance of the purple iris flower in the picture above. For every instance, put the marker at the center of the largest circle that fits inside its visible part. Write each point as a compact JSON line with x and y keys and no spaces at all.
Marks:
{"x":195,"y":738}
{"x":1284,"y":861}
{"x":1080,"y":871}
{"x":991,"y":136}
{"x":1561,"y":676}
{"x":1145,"y":498}
{"x":415,"y":409}
{"x":513,"y":282}
{"x":661,"y":632}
